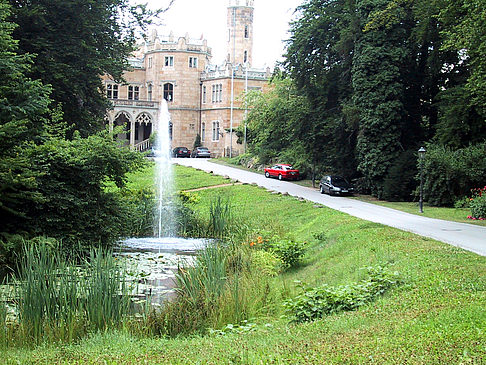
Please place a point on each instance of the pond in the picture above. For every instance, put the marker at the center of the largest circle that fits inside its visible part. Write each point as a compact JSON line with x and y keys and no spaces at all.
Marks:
{"x":154,"y":263}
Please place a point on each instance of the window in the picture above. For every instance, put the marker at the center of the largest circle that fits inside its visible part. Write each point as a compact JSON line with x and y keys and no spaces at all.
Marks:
{"x":193,"y":62}
{"x":203,"y":131}
{"x":192,"y":126}
{"x":245,"y":57}
{"x":169,"y":61}
{"x":169,"y":92}
{"x":217,"y":93}
{"x":112,"y":91}
{"x":216,"y":131}
{"x":149,"y":92}
{"x":133,"y":92}
{"x":150,"y":62}
{"x":204,"y":94}
{"x":246,"y":31}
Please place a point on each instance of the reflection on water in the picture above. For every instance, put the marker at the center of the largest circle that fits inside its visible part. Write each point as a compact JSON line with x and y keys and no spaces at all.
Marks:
{"x":154,"y":263}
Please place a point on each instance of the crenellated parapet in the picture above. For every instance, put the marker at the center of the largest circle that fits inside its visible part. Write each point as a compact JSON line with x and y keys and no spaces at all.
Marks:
{"x":238,"y":3}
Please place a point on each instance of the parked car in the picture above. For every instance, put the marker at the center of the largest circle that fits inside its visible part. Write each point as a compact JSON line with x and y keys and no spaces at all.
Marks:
{"x":201,"y":152}
{"x":181,"y":152}
{"x":335,"y":185}
{"x":282,"y":172}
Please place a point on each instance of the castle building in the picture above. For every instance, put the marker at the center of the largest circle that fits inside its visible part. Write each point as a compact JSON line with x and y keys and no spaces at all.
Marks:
{"x":203,"y":98}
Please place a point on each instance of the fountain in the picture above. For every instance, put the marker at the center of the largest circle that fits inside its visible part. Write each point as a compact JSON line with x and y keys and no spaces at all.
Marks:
{"x":164,"y":218}
{"x":158,"y":257}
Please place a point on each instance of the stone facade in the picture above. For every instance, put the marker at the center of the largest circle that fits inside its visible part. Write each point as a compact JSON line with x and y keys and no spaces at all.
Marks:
{"x":203,"y":99}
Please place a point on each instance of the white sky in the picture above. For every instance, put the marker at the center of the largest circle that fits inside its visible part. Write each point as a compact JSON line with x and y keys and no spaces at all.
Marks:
{"x":208,"y":18}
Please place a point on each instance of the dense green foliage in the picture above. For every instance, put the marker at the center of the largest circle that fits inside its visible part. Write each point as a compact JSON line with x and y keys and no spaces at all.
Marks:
{"x":367,"y":82}
{"x":450,"y":174}
{"x":315,"y":303}
{"x":53,"y":168}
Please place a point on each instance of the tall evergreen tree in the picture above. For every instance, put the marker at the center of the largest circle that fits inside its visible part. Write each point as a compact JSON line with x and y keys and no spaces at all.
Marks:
{"x":23,"y":107}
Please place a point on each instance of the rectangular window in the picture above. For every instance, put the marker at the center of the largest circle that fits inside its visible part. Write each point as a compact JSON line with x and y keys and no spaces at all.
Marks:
{"x":216,"y":131}
{"x":149,"y":92}
{"x":150,"y":62}
{"x":169,"y":61}
{"x":204,"y":94}
{"x":213,"y":98}
{"x":203,"y":131}
{"x":220,"y":94}
{"x":112,"y":91}
{"x":133,"y":92}
{"x":193,"y":62}
{"x":246,"y":31}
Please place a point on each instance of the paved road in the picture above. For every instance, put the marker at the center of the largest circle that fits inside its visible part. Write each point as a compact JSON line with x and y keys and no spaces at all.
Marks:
{"x":467,"y":236}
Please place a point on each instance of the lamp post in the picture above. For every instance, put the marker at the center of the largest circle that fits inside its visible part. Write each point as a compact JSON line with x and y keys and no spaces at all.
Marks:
{"x":421,"y":153}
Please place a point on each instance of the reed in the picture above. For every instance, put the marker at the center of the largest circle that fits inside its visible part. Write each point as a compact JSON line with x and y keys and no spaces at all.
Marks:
{"x":59,"y":299}
{"x":220,"y":217}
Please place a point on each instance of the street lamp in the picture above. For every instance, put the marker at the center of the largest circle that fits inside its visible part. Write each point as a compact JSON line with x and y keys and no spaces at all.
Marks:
{"x":421,"y":153}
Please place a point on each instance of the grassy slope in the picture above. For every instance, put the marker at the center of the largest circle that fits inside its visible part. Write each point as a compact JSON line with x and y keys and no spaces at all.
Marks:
{"x":437,"y":317}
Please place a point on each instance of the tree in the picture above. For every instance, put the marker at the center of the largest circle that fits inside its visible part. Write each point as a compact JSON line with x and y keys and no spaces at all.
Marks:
{"x":23,"y":108}
{"x":75,"y":43}
{"x":319,"y":59}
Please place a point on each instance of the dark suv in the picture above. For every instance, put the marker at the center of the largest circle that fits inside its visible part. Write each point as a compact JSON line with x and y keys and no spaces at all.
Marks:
{"x":181,"y":152}
{"x":335,"y":185}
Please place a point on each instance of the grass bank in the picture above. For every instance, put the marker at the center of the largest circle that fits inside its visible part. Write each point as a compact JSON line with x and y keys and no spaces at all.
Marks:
{"x":436,"y":316}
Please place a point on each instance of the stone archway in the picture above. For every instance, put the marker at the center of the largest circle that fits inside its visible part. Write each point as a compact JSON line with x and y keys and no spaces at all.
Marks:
{"x":143,"y":127}
{"x":123,"y":119}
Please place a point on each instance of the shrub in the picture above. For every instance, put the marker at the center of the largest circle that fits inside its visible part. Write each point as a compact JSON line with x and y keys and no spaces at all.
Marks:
{"x":478,"y":204}
{"x":450,"y":174}
{"x":288,"y":251}
{"x":400,"y":181}
{"x":266,"y":263}
{"x":314,"y":303}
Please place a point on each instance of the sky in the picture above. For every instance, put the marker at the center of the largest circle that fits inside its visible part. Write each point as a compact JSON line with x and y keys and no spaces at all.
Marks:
{"x":208,"y":18}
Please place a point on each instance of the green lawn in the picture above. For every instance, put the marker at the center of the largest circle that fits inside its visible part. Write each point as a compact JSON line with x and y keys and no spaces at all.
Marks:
{"x":437,"y":316}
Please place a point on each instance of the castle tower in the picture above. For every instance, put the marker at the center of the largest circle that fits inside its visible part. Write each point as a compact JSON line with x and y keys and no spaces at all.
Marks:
{"x":240,"y":32}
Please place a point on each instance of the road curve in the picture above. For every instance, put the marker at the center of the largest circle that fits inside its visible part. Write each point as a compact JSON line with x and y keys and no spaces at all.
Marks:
{"x":467,"y":236}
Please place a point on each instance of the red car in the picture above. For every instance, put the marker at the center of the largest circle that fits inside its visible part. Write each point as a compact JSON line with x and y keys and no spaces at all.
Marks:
{"x":283,"y":172}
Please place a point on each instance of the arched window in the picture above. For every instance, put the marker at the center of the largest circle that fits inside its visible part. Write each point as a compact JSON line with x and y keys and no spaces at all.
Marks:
{"x":149,"y":92}
{"x":169,"y":92}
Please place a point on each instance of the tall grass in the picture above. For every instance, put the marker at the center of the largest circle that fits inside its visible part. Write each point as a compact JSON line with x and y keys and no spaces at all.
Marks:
{"x":220,"y":217}
{"x":59,"y":299}
{"x":217,"y":289}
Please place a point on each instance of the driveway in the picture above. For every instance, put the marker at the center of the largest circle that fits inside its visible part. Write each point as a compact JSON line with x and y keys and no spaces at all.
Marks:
{"x":467,"y":236}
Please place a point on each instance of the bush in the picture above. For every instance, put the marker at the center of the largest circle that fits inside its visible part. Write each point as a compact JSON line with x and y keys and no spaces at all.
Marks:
{"x":314,"y":303}
{"x":400,"y":182}
{"x":478,"y":204}
{"x":266,"y":263}
{"x":450,"y":174}
{"x":288,"y":251}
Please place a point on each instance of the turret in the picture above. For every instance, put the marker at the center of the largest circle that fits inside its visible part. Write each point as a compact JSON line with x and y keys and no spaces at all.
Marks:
{"x":240,"y":32}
